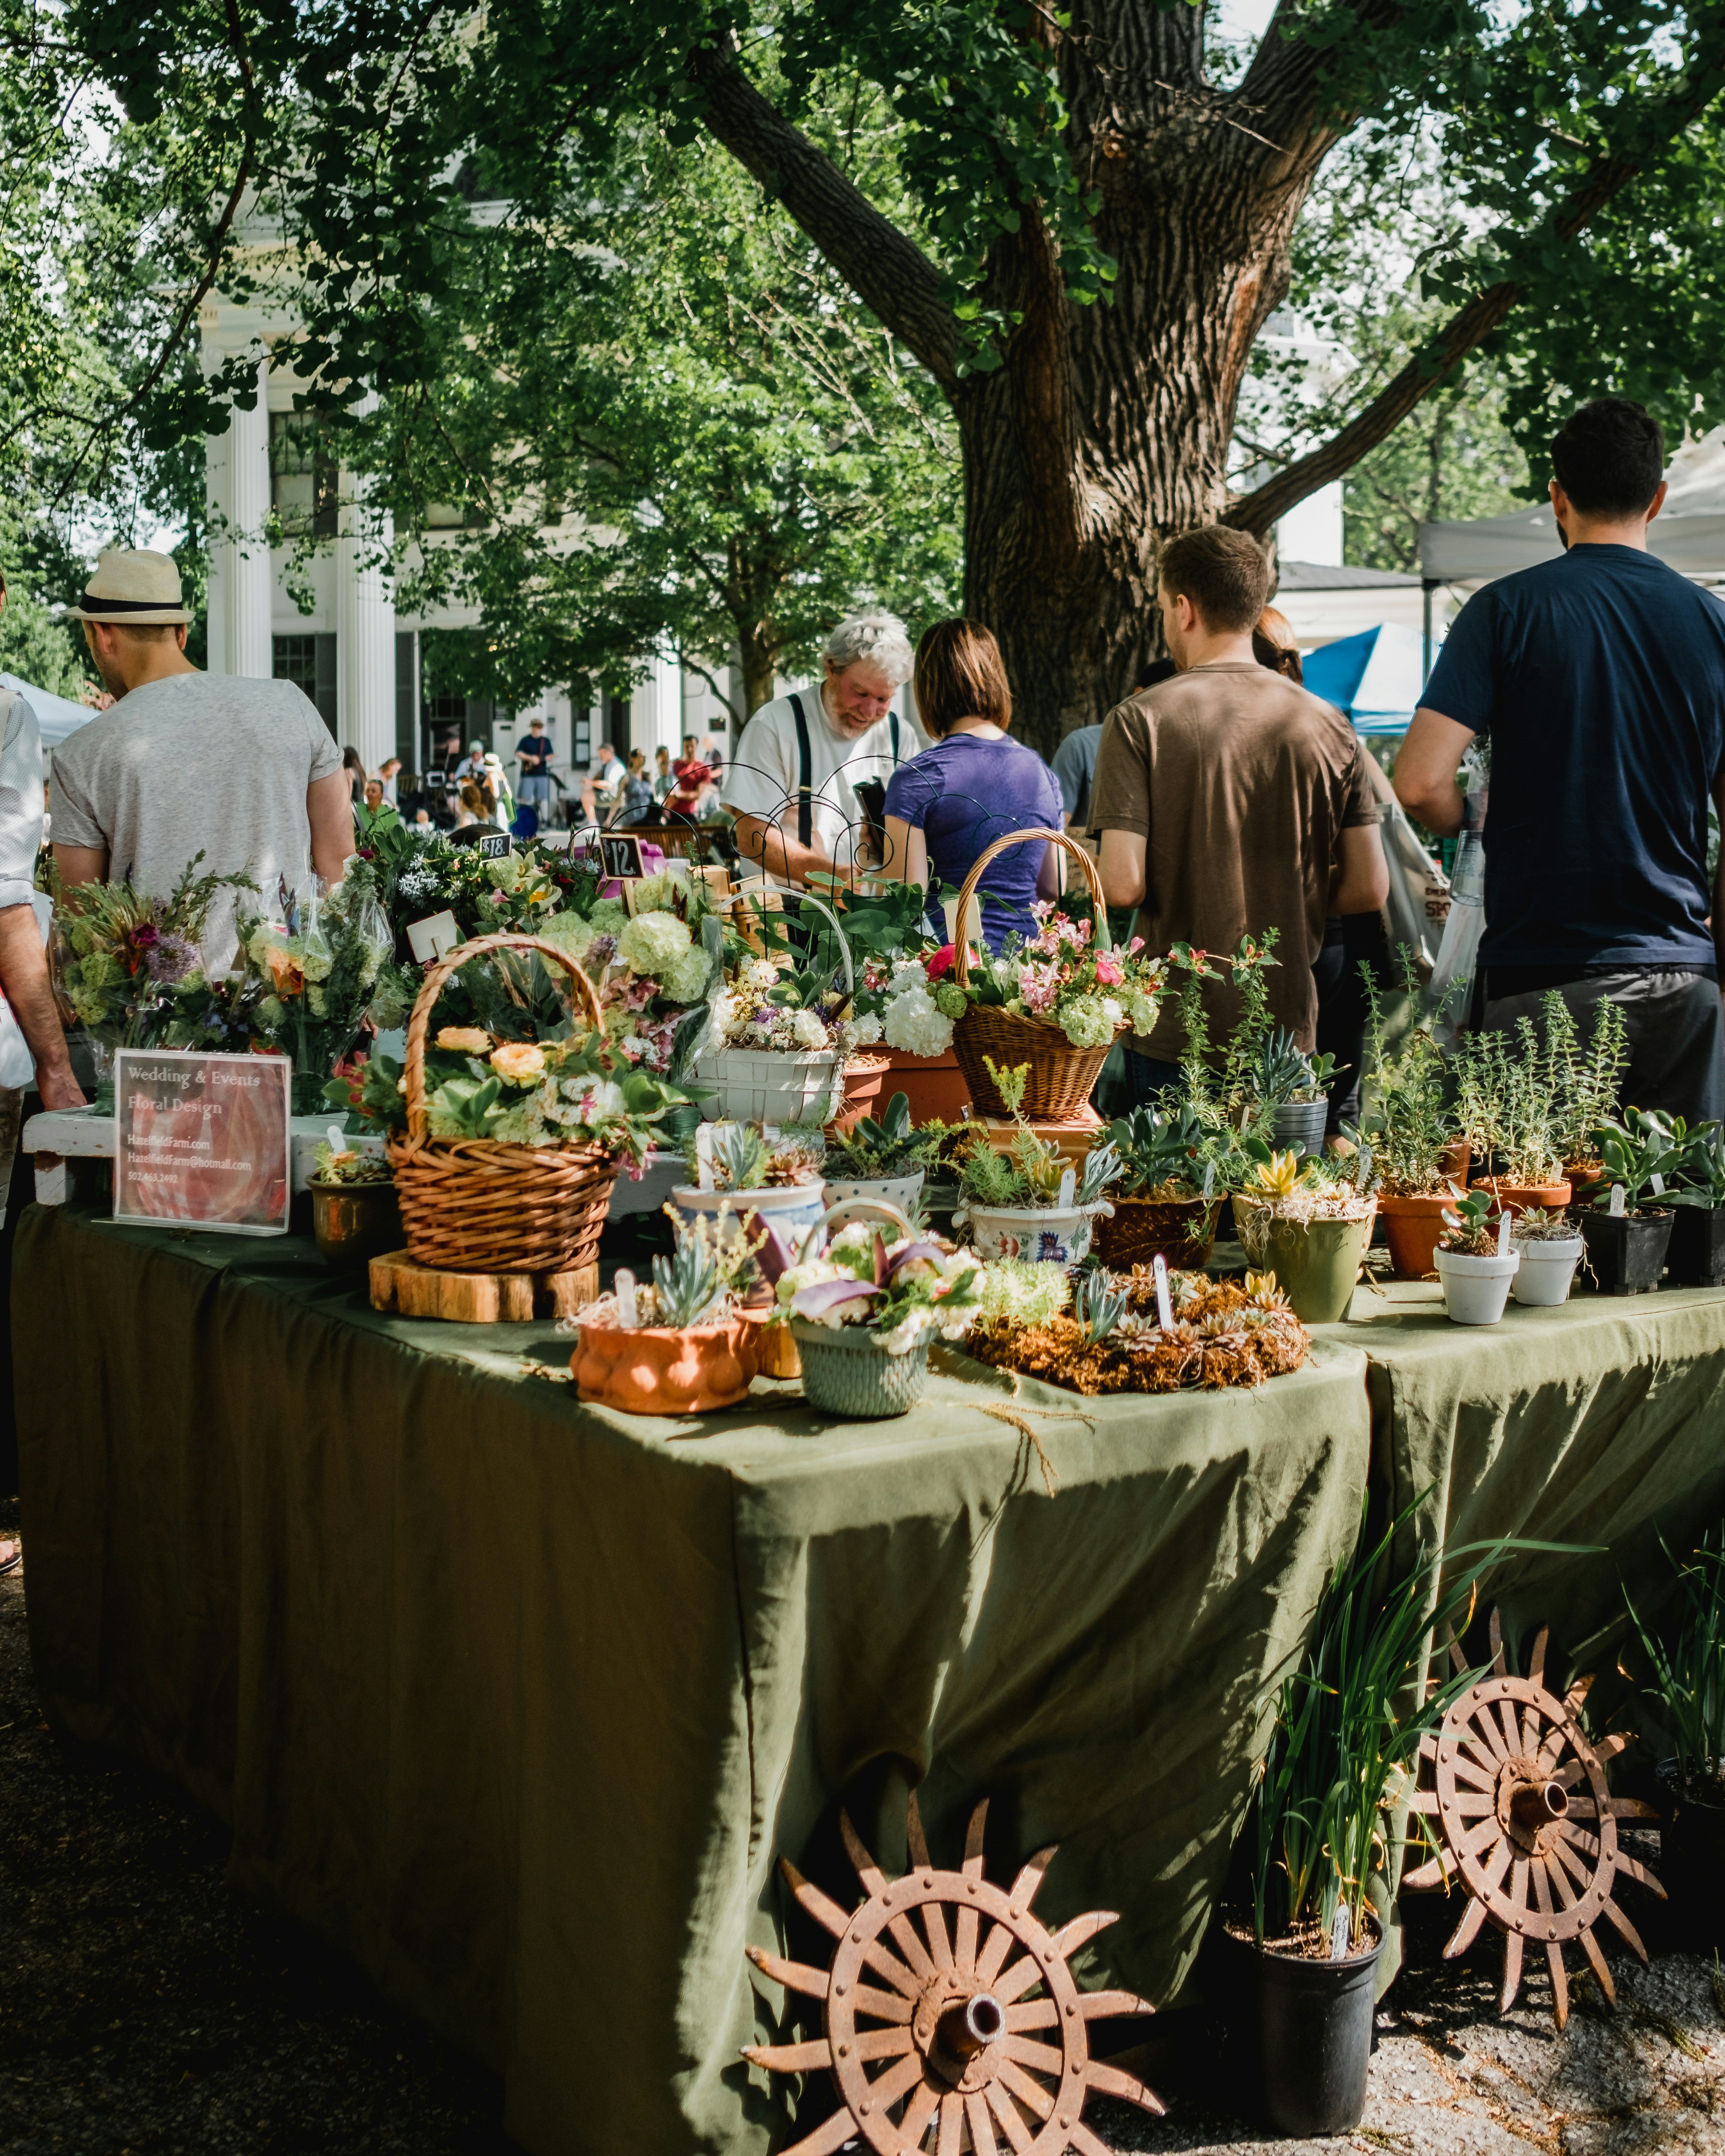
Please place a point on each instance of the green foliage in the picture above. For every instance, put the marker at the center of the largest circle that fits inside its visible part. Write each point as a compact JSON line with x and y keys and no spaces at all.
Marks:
{"x":891,"y":1147}
{"x":1408,"y":1117}
{"x":1634,"y":1150}
{"x":1687,"y":1655}
{"x":1584,"y":1085}
{"x":1702,"y":1171}
{"x":1506,"y":1107}
{"x":1162,"y":1150}
{"x":1098,"y":1306}
{"x":741,"y":1155}
{"x":1469,"y":1231}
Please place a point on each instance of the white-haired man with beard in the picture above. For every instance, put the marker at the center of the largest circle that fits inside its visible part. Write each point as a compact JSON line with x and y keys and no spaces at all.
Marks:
{"x":791,"y":784}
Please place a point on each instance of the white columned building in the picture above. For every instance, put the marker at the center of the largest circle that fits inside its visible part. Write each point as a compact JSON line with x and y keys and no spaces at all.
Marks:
{"x":365,"y":629}
{"x":241,"y":574}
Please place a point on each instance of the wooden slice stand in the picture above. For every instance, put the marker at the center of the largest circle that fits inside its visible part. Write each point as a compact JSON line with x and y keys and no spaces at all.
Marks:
{"x":1074,"y":1135}
{"x":415,"y":1291}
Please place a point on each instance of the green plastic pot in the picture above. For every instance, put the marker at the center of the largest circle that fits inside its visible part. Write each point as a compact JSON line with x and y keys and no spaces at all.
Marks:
{"x":1316,"y":1262}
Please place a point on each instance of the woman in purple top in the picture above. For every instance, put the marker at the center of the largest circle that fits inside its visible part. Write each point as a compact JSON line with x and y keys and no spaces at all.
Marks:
{"x":946,"y":806}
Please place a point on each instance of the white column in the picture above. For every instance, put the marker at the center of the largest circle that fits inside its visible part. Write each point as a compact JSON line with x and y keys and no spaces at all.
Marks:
{"x":664,"y":684}
{"x":244,"y":574}
{"x":365,"y":630}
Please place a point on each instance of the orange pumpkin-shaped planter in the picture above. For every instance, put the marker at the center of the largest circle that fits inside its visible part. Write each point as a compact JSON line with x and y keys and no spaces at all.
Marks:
{"x":654,"y":1369}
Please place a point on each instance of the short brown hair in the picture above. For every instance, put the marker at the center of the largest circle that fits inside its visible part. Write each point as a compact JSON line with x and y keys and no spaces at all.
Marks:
{"x":960,"y":675}
{"x":1223,"y":571}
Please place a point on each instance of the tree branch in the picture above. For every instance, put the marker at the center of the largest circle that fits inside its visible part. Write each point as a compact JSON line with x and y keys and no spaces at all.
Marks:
{"x":886,"y":270}
{"x":1469,"y":327}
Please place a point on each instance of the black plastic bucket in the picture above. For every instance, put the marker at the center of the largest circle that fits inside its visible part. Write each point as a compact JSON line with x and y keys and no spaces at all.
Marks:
{"x":1315,"y":2039}
{"x":1698,"y":1251}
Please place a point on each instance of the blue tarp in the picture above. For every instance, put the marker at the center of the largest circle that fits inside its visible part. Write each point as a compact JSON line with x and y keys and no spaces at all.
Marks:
{"x":56,"y":716}
{"x":1375,"y":679}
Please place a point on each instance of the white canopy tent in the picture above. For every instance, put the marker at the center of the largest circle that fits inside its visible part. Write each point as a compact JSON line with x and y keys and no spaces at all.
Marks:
{"x":1688,"y":532}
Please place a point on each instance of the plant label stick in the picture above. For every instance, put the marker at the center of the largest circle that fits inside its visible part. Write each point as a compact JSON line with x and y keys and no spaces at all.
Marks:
{"x":1657,"y":1185}
{"x":1617,"y":1201}
{"x":624,"y":1287}
{"x":1341,"y":1932}
{"x":1068,"y":1183}
{"x":704,"y":1156}
{"x":1164,"y":1309}
{"x":1210,"y":1179}
{"x":1504,"y":1224}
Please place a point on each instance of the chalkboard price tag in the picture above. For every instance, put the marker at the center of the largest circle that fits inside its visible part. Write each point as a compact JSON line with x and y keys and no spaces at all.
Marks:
{"x":492,"y":846}
{"x":621,"y":855}
{"x":202,"y":1140}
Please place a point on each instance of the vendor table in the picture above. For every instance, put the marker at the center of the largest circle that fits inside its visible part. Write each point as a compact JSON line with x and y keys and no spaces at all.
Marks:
{"x":518,"y":1701}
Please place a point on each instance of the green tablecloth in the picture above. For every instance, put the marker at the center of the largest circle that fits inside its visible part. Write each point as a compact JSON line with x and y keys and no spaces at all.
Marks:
{"x":519,"y":1701}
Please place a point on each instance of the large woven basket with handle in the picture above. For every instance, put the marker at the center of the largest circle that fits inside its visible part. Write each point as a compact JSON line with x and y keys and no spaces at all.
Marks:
{"x":476,"y":1205}
{"x":1061,"y":1076}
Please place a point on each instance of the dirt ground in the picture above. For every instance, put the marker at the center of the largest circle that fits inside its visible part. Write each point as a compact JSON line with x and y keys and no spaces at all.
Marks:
{"x":145,"y":2009}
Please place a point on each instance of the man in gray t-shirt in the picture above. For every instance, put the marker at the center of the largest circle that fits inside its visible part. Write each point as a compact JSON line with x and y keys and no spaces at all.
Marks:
{"x":244,"y":769}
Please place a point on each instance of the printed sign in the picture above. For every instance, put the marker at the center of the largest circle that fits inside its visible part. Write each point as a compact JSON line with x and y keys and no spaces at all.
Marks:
{"x":203,"y":1140}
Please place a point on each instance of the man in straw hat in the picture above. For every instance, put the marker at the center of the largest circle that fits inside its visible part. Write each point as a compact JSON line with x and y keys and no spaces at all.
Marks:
{"x":246,"y":770}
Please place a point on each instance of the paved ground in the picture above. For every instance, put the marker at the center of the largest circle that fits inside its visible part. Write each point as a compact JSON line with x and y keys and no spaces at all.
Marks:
{"x":146,"y":2011}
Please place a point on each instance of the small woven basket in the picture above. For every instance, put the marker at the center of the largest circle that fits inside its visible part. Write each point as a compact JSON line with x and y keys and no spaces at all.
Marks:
{"x":1061,"y":1076}
{"x":475,"y":1205}
{"x":847,"y":1372}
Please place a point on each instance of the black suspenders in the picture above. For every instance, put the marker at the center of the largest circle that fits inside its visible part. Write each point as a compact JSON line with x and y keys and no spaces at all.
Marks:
{"x":805,"y":768}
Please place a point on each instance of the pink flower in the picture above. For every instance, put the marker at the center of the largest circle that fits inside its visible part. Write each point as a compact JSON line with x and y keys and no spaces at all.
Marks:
{"x":1133,"y":948}
{"x":941,"y":963}
{"x":1108,"y":971}
{"x":1039,"y":986}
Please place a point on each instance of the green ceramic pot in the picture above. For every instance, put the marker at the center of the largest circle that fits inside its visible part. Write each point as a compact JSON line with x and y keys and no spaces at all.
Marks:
{"x":1316,"y":1262}
{"x":847,"y":1372}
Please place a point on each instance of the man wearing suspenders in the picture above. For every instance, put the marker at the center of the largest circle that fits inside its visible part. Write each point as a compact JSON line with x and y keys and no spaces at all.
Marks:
{"x":791,"y":784}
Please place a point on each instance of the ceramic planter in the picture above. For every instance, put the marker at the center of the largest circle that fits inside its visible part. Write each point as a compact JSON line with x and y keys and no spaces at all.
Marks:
{"x":1453,"y":1162}
{"x":755,"y":1086}
{"x":933,"y":1085}
{"x":847,"y":1372}
{"x":656,"y":1370}
{"x":1585,"y":1177}
{"x":1547,"y":1269}
{"x":355,"y":1222}
{"x":1315,"y":2038}
{"x":1515,"y":1198}
{"x":1316,"y":1262}
{"x":900,"y":1191}
{"x":1627,"y":1252}
{"x":1299,"y":1125}
{"x":1140,"y":1229}
{"x":775,"y":1351}
{"x":1411,"y":1227}
{"x":1696,"y":1258}
{"x":1060,"y":1234}
{"x":791,"y":1211}
{"x":863,"y":1078}
{"x":1475,"y":1289}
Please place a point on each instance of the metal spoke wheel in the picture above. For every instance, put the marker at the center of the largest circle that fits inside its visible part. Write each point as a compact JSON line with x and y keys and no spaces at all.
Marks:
{"x":1515,"y":1794}
{"x":953,"y":2022}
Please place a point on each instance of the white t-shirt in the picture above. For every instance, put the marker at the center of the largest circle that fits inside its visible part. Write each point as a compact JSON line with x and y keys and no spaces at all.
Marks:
{"x":763,"y":775}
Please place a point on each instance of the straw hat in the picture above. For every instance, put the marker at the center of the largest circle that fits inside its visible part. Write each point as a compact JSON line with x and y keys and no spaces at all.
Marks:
{"x":132,"y":586}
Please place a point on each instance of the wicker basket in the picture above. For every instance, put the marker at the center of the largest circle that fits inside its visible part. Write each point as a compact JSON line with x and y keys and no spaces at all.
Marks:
{"x":474,"y":1206}
{"x":1061,"y":1076}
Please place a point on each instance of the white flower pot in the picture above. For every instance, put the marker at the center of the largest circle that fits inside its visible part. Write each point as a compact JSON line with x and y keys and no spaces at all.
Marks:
{"x":1476,"y":1289}
{"x":758,"y":1085}
{"x":1548,"y":1268}
{"x":901,"y":1191}
{"x":1058,"y":1233}
{"x":792,"y":1210}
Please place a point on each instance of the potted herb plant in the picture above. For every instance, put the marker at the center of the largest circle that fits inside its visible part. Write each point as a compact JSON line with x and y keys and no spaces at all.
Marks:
{"x":681,"y":1346}
{"x":1027,"y":1200}
{"x":1696,"y":1256}
{"x":1308,"y":1223}
{"x":355,"y":1214}
{"x":1295,"y":1087}
{"x":1162,"y":1204}
{"x":866,"y":1312}
{"x":1412,"y":1130}
{"x":737,"y":1171}
{"x":1344,"y":1739}
{"x":1549,"y":1246}
{"x":886,"y":1160}
{"x":1628,"y":1230}
{"x":1583,"y":1083}
{"x":1472,"y":1264}
{"x":1686,"y":1653}
{"x":1513,"y":1120}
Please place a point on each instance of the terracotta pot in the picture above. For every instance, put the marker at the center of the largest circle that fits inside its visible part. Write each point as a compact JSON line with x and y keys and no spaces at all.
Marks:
{"x":1515,"y":1198}
{"x":652,"y":1369}
{"x":863,"y":1077}
{"x":354,"y":1222}
{"x":1585,"y":1177}
{"x":1142,"y":1228}
{"x":934,"y":1085}
{"x":1411,"y":1227}
{"x":775,"y":1347}
{"x":1453,"y":1161}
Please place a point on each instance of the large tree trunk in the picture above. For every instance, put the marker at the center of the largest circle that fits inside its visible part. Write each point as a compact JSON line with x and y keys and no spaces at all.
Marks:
{"x":1107,"y":430}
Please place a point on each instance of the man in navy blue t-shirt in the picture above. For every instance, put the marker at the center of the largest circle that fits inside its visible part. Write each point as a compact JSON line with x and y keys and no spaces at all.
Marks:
{"x":1599,"y":680}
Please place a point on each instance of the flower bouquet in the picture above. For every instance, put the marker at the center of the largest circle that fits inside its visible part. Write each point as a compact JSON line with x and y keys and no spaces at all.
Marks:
{"x":128,"y":968}
{"x":783,"y":1026}
{"x":321,"y":974}
{"x":864,"y":1314}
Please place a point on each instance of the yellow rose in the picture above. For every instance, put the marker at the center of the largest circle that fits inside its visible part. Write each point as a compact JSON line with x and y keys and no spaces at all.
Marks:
{"x":518,"y":1061}
{"x":465,"y":1040}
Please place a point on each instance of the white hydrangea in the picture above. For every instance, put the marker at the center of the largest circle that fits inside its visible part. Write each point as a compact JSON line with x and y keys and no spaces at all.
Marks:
{"x":909,"y":1330}
{"x":684,"y":981}
{"x":1140,"y":1010}
{"x":906,"y":974}
{"x":915,"y":1023}
{"x":865,"y":1031}
{"x":760,"y":973}
{"x":1086,"y":1024}
{"x":653,"y":942}
{"x":807,"y":1029}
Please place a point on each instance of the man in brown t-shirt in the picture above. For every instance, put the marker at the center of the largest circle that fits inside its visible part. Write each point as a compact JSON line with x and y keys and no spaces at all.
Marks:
{"x":1230,"y":801}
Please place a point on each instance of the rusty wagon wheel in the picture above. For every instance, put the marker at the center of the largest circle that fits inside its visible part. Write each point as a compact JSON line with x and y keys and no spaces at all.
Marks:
{"x":1520,"y":1809}
{"x":953,"y":2022}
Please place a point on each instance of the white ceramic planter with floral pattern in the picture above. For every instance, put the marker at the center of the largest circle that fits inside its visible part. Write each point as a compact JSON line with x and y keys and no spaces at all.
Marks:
{"x":1058,"y":1234}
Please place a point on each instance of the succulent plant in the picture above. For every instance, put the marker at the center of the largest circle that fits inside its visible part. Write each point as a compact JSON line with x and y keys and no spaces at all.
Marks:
{"x":687,"y":1284}
{"x":1098,"y":1306}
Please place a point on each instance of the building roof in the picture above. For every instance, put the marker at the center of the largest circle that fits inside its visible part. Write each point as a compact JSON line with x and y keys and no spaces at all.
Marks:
{"x":1326,"y":577}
